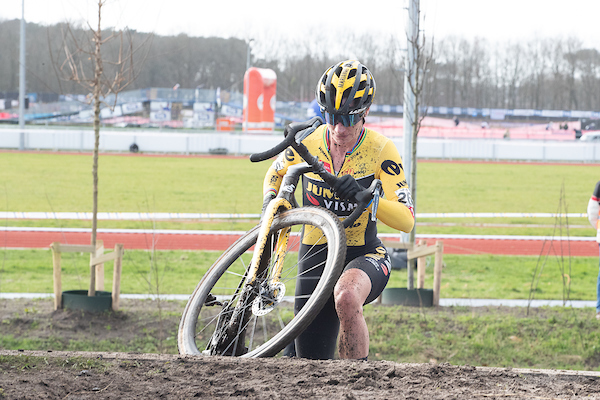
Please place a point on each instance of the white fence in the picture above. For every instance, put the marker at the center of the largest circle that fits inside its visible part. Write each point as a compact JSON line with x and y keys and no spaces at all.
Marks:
{"x":500,"y":149}
{"x":242,"y":143}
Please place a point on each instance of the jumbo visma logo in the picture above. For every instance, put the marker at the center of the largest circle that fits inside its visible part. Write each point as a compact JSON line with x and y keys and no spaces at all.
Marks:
{"x":318,"y":194}
{"x":312,"y":200}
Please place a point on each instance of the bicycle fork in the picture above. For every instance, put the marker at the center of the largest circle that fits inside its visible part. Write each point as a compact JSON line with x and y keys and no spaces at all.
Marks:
{"x":258,"y":292}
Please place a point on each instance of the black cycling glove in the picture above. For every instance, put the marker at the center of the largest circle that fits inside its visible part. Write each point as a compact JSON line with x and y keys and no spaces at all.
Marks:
{"x":346,"y":187}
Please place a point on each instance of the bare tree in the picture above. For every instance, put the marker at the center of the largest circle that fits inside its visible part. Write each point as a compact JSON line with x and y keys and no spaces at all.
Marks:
{"x":513,"y":73}
{"x":420,"y":57}
{"x":535,"y":70}
{"x":81,"y":59}
{"x":573,"y":61}
{"x":589,"y":60}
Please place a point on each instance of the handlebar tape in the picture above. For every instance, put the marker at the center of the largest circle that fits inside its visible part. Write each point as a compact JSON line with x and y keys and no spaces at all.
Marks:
{"x":297,"y":136}
{"x":265,"y":155}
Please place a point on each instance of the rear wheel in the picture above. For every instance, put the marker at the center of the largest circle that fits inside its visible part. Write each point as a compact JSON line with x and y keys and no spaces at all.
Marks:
{"x":267,"y":316}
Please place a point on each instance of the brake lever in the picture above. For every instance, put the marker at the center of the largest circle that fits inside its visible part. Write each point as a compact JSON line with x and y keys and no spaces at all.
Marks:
{"x":375,"y":204}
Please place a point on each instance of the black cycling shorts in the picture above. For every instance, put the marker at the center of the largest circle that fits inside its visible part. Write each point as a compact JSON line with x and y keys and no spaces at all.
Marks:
{"x":377,"y":265}
{"x":318,"y":341}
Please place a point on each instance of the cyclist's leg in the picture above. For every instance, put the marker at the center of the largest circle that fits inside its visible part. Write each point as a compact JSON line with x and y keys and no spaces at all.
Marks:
{"x":361,"y":282}
{"x":350,"y":293}
{"x":318,"y":341}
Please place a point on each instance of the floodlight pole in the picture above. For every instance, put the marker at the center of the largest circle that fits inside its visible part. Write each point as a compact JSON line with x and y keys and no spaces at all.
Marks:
{"x":248,"y":54}
{"x":412,"y":30}
{"x":22,"y":80}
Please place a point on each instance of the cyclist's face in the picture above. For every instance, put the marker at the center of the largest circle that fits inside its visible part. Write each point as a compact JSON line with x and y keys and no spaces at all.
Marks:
{"x":345,"y":135}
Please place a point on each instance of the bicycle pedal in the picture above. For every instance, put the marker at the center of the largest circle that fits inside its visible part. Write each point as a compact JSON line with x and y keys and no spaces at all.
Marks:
{"x":211,"y":300}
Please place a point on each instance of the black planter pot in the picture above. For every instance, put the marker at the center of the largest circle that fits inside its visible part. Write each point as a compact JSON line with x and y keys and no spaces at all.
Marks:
{"x":79,"y":300}
{"x":406,"y":297}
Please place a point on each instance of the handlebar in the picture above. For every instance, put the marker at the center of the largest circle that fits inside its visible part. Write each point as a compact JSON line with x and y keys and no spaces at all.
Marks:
{"x":293,"y":138}
{"x":304,"y":129}
{"x":265,"y":155}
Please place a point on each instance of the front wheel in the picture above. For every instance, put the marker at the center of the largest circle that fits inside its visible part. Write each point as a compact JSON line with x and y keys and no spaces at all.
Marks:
{"x":269,"y":320}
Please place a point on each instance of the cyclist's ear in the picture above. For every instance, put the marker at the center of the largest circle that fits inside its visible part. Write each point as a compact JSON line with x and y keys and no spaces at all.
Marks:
{"x":365,"y":115}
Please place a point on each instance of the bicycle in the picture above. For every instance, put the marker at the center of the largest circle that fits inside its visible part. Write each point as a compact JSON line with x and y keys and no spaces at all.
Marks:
{"x":231,"y":311}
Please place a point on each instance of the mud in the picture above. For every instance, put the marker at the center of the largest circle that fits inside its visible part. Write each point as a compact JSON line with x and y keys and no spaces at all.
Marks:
{"x":48,"y":374}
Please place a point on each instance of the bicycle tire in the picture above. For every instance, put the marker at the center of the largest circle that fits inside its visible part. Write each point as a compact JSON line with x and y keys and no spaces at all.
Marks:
{"x":193,"y":331}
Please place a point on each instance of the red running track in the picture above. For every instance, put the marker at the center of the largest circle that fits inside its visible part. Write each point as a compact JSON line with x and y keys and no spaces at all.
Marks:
{"x":170,"y":241}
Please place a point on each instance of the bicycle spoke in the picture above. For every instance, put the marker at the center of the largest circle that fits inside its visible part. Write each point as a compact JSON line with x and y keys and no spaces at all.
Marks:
{"x":240,"y":330}
{"x":235,"y":274}
{"x":281,"y":324}
{"x":285,"y":278}
{"x":265,"y":333}
{"x":306,"y":256}
{"x":251,"y":341}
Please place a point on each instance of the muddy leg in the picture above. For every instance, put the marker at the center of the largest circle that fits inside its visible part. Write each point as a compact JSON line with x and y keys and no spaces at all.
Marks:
{"x":350,"y":293}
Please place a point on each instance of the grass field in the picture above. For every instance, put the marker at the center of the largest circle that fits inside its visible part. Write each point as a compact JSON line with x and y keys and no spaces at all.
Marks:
{"x":508,"y":337}
{"x":550,"y":338}
{"x":53,"y":182}
{"x":178,"y":272}
{"x":62,"y":182}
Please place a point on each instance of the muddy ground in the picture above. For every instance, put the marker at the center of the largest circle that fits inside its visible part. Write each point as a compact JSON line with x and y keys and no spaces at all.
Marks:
{"x":46,"y":374}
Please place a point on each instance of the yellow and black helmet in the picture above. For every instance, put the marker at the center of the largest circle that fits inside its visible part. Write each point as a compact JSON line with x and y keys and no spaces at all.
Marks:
{"x":346,"y":88}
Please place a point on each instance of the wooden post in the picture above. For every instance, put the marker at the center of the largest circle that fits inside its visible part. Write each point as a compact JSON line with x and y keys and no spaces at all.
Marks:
{"x":117,"y":276}
{"x":92,"y":288}
{"x":421,"y":265}
{"x":97,"y":258}
{"x":437,"y":272}
{"x":99,"y":267}
{"x":56,"y":274}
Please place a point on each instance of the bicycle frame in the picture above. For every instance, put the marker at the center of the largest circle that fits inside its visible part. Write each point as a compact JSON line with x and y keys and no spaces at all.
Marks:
{"x":284,"y":201}
{"x":239,"y":316}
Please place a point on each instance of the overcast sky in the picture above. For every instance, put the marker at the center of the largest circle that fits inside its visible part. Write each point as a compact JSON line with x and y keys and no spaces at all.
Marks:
{"x":493,"y":19}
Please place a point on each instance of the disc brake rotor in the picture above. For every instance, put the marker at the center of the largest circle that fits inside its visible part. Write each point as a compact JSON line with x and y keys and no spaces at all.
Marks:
{"x":268,"y":298}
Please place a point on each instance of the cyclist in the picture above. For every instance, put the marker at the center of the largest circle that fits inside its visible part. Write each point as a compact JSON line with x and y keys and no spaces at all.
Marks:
{"x":356,"y":155}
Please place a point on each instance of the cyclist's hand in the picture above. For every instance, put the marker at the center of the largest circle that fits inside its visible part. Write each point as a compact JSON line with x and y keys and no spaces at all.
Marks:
{"x":346,"y":187}
{"x":364,"y":196}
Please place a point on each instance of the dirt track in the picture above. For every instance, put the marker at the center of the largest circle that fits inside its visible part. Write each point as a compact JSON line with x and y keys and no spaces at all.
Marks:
{"x":108,"y":375}
{"x":125,"y":376}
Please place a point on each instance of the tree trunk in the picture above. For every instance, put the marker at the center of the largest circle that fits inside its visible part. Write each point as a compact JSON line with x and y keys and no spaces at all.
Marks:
{"x":97,"y":76}
{"x":413,"y":172}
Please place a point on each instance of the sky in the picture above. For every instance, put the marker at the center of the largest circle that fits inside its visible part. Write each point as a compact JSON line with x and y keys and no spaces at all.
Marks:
{"x":498,"y":21}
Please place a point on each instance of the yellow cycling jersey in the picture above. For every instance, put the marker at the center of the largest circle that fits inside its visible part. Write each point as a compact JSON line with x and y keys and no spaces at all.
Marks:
{"x":373,"y":157}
